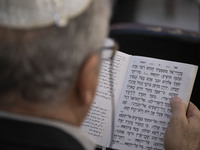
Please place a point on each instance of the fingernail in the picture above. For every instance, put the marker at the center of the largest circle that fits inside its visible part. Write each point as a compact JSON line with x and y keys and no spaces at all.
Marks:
{"x":176,"y":98}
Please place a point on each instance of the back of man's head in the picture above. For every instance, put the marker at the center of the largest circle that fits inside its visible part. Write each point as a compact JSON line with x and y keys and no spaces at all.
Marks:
{"x":40,"y":60}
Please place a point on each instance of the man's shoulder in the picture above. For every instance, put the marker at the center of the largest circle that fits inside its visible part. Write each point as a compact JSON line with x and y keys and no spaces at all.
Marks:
{"x":29,"y":135}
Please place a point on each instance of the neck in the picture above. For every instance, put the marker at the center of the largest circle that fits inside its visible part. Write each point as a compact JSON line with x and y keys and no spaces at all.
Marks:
{"x":50,"y":110}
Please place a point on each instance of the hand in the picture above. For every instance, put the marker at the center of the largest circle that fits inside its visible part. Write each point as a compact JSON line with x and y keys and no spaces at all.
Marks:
{"x":183,"y":132}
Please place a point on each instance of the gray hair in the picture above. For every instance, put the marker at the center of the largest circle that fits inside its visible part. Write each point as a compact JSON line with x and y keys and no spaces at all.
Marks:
{"x":41,"y":64}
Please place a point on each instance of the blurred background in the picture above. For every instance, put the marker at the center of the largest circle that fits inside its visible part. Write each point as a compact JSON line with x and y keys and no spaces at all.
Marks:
{"x":182,"y":14}
{"x":164,"y":29}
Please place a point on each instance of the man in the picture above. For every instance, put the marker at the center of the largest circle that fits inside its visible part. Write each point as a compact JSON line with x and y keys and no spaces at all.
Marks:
{"x":49,"y":64}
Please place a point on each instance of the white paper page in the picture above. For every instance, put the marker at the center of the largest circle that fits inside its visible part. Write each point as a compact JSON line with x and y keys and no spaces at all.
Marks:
{"x":98,"y":120}
{"x":143,"y":111}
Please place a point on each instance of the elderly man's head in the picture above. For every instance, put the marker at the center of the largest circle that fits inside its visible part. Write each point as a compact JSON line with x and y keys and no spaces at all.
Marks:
{"x":42,"y":62}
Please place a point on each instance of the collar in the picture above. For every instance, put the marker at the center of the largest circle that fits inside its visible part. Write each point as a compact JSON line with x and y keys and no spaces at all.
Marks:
{"x":76,"y":132}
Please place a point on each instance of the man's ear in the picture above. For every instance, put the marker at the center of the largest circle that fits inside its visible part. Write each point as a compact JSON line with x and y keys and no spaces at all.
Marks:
{"x":87,"y":80}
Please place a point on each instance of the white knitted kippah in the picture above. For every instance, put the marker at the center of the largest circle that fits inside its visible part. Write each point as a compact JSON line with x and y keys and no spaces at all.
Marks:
{"x":28,"y":14}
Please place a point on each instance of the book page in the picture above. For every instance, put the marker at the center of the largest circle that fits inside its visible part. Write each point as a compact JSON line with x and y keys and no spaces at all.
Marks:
{"x":98,"y":120}
{"x":144,"y":111}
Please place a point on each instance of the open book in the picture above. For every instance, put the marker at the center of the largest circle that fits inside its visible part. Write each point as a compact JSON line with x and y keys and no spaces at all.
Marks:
{"x":142,"y":87}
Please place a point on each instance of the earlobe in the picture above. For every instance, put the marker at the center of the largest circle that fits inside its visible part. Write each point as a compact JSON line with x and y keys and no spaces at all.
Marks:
{"x":87,"y":80}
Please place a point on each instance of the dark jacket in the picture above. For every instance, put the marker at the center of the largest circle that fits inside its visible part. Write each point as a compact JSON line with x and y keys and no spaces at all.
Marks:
{"x":19,"y":135}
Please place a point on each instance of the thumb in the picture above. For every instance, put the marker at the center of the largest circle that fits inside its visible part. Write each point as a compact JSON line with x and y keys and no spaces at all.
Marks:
{"x":175,"y":131}
{"x":178,"y":108}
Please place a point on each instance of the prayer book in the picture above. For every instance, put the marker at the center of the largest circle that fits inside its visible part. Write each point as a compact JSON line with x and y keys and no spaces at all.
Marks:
{"x":142,"y":88}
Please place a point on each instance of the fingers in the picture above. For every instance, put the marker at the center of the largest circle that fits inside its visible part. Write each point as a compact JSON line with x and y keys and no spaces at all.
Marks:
{"x":183,"y":132}
{"x":192,"y":110}
{"x":178,"y":108}
{"x":177,"y":124}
